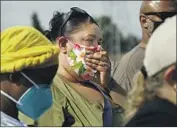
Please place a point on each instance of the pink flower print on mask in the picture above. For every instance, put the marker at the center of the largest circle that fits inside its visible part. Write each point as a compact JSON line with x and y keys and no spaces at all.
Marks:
{"x":76,"y":61}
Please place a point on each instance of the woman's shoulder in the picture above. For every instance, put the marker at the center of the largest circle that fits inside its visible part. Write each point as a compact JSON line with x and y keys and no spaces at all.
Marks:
{"x":58,"y":81}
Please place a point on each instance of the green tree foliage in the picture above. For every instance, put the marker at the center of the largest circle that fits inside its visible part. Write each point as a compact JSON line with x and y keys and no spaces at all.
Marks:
{"x":36,"y":22}
{"x":111,"y":36}
{"x":129,"y":43}
{"x":113,"y":40}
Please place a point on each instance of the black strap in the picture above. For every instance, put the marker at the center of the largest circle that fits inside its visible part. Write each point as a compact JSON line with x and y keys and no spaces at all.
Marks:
{"x":107,"y":111}
{"x":68,"y":118}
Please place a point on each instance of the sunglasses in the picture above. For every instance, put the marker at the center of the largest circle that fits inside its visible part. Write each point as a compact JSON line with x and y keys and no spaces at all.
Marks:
{"x":73,"y":10}
{"x":162,"y":15}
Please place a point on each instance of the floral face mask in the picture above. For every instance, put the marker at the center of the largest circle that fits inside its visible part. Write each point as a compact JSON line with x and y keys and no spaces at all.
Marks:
{"x":76,"y":61}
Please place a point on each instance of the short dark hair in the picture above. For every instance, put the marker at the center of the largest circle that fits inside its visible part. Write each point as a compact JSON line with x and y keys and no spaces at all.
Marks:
{"x":72,"y":24}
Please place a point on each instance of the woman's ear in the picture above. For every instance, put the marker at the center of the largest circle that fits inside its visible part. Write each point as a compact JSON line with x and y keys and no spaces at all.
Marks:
{"x":170,"y":74}
{"x":62,"y":41}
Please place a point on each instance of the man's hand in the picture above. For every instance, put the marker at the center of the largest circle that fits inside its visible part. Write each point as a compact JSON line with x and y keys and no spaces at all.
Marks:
{"x":100,"y":62}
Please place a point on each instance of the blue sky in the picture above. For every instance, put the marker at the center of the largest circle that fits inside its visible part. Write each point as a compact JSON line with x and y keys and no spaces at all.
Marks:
{"x":124,"y":13}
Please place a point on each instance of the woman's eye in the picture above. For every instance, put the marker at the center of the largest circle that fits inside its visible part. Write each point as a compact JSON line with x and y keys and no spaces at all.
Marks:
{"x":89,"y":40}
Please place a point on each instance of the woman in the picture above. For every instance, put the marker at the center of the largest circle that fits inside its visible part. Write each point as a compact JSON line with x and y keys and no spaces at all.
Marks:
{"x":153,"y":100}
{"x":140,"y":96}
{"x":142,"y":101}
{"x":25,"y":57}
{"x":77,"y":100}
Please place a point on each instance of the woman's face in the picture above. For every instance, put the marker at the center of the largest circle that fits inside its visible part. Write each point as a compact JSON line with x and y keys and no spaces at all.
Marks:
{"x":88,"y":35}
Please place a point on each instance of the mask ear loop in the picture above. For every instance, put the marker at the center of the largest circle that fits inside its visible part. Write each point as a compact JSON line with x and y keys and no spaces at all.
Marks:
{"x":10,"y":97}
{"x":30,"y":80}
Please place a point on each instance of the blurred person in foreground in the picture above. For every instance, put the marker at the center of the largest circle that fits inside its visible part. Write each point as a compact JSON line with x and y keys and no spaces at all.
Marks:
{"x":26,"y":56}
{"x":152,"y":101}
{"x":152,"y":14}
{"x":77,"y":99}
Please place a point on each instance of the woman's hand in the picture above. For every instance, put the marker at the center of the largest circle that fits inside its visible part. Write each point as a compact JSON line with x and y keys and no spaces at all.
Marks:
{"x":101,"y":62}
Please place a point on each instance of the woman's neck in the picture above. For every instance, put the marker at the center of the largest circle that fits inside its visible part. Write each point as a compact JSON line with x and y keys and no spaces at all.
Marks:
{"x":68,"y":75}
{"x":9,"y":107}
